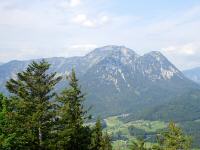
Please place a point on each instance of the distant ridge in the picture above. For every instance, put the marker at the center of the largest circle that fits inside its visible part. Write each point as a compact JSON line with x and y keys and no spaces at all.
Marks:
{"x":193,"y":74}
{"x":117,"y":80}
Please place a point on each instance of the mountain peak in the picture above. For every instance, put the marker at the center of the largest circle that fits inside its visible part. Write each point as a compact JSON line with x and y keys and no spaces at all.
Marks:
{"x":157,"y":67}
{"x":113,"y":53}
{"x":156,"y":55}
{"x":116,"y":77}
{"x":112,"y":47}
{"x":113,"y":50}
{"x":156,"y":52}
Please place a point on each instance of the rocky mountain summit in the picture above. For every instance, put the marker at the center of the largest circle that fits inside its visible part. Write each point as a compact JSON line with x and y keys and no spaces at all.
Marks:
{"x":116,"y":79}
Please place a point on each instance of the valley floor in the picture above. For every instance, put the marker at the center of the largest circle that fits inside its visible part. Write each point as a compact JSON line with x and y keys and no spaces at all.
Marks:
{"x":123,"y":133}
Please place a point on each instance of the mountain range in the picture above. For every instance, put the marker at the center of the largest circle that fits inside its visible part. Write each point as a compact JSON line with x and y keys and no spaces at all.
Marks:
{"x":117,"y":80}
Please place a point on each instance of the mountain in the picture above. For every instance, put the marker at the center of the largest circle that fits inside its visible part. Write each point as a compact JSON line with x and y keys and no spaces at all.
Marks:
{"x":193,"y":74}
{"x":117,"y":80}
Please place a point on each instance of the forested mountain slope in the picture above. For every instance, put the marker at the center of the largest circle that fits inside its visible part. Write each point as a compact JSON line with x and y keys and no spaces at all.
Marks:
{"x":117,"y":80}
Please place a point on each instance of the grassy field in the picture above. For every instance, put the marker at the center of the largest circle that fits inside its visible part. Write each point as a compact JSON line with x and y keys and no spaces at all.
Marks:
{"x":121,"y":133}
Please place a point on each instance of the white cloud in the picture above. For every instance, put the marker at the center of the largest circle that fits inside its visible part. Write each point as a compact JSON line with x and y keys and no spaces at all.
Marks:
{"x":74,"y":3}
{"x":18,"y":16}
{"x":80,"y":49}
{"x":33,"y":53}
{"x":104,"y":19}
{"x":22,"y":54}
{"x":80,"y":18}
{"x":69,"y":3}
{"x":84,"y":20}
{"x":187,"y":49}
{"x":65,"y":27}
{"x":84,"y":46}
{"x":184,"y":56}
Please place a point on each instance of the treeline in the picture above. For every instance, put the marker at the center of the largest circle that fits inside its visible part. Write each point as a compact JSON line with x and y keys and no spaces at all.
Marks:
{"x":35,"y":117}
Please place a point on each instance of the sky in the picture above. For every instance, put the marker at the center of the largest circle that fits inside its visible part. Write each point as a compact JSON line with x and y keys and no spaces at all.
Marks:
{"x":54,"y":28}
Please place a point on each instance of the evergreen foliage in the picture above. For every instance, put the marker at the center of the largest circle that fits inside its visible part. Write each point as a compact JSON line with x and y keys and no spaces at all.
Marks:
{"x":138,"y":145}
{"x":97,"y":136}
{"x":100,"y":140}
{"x":73,"y":116}
{"x":35,"y":117}
{"x":171,"y":139}
{"x":174,"y":139}
{"x":33,"y":105}
{"x":5,"y":138}
{"x":106,"y":142}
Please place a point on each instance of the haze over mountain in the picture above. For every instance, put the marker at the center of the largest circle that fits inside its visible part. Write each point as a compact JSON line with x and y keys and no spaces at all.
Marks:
{"x":117,"y":80}
{"x":193,"y":74}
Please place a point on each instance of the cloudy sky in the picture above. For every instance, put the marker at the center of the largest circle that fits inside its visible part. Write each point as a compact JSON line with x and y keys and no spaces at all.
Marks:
{"x":48,"y":28}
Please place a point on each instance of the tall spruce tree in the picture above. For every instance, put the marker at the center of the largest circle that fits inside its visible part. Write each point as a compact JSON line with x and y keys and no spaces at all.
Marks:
{"x":174,"y":139}
{"x":97,"y":136}
{"x":62,"y":127}
{"x":32,"y":100}
{"x":100,"y":140}
{"x":73,"y":115}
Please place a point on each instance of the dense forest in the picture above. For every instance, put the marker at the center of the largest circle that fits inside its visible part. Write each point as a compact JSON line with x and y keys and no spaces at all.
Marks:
{"x":35,"y":116}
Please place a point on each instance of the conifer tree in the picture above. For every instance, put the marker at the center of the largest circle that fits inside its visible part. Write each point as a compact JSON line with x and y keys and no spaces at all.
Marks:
{"x":31,"y":118}
{"x":8,"y":125}
{"x":106,"y":142}
{"x":73,"y":117}
{"x":32,"y":98}
{"x":100,"y":140}
{"x":138,"y":145}
{"x":62,"y":127}
{"x":97,"y":136}
{"x":4,"y":138}
{"x":174,"y":139}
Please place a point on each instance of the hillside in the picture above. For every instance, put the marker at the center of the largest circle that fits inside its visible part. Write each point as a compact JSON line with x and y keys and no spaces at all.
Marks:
{"x":117,"y":80}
